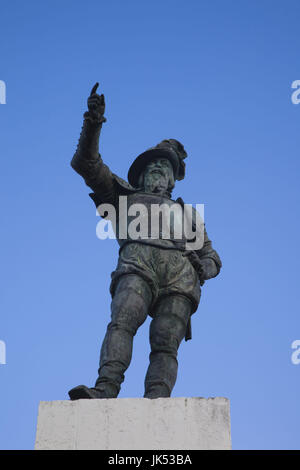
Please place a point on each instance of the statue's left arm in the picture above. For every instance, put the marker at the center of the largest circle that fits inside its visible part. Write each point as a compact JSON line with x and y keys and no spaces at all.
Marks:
{"x":206,"y":261}
{"x":209,"y":259}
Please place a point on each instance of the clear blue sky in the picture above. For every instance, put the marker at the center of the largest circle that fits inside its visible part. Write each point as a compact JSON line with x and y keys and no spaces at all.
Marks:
{"x":215,"y":75}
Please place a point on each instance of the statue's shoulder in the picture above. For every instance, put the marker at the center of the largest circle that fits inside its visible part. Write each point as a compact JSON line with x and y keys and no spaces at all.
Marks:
{"x":180,"y":201}
{"x":122,"y":186}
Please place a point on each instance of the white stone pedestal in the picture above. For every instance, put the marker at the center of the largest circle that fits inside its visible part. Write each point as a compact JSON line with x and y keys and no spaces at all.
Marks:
{"x":135,"y":424}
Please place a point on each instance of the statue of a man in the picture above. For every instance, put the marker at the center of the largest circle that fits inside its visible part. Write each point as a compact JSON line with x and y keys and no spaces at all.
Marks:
{"x":158,"y":276}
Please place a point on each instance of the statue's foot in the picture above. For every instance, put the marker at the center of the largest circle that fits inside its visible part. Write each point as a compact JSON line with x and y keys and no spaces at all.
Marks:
{"x":82,"y":391}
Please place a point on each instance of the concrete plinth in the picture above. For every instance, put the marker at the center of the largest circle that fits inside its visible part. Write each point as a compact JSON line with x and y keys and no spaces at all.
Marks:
{"x":135,"y":424}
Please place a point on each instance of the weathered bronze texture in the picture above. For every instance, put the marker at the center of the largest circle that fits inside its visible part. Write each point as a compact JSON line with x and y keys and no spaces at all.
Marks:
{"x":156,"y":277}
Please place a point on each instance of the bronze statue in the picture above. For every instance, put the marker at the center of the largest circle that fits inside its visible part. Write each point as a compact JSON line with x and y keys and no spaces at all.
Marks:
{"x":158,"y":276}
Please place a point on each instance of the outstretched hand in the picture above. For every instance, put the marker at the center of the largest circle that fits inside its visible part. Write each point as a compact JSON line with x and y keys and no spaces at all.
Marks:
{"x":96,"y":104}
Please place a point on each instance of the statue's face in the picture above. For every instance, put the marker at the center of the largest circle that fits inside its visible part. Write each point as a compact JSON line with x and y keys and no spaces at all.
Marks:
{"x":157,"y":175}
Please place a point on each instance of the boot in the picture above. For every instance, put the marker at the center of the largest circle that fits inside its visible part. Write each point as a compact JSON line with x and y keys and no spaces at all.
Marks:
{"x":102,"y":391}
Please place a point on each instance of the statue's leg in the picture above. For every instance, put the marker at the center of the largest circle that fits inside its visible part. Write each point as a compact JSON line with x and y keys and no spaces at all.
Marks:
{"x":129,"y":309}
{"x":167,"y":330}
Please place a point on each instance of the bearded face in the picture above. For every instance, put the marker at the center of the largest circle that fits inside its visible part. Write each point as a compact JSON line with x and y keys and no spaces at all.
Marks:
{"x":157,"y":176}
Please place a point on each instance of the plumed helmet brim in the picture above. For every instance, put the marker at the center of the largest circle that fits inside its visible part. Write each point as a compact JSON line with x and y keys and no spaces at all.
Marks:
{"x":146,"y":157}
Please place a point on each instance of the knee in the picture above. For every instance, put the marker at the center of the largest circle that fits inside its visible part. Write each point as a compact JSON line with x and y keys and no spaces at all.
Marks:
{"x":165,"y":335}
{"x":122,"y":328}
{"x":168,"y":327}
{"x":129,"y":307}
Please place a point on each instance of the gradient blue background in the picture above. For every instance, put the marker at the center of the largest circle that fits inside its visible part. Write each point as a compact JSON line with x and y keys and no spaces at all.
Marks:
{"x":215,"y":75}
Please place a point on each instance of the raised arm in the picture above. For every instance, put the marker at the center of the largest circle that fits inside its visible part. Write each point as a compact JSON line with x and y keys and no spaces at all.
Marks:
{"x":87,"y":160}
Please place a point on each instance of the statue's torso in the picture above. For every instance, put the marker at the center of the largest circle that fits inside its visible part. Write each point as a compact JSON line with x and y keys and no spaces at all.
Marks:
{"x":139,"y":220}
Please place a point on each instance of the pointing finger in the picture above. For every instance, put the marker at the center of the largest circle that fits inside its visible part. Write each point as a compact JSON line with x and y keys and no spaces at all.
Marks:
{"x":94,"y":89}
